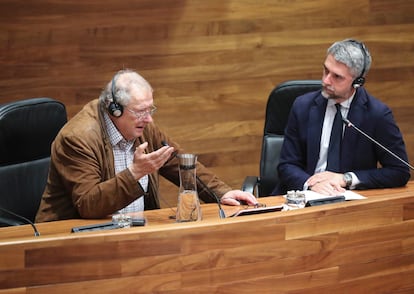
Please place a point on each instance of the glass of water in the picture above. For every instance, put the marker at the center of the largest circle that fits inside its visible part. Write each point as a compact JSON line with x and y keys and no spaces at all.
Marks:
{"x":295,"y":200}
{"x":122,"y":220}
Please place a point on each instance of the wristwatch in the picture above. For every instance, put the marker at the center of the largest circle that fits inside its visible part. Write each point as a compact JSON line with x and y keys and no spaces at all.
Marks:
{"x":347,"y":180}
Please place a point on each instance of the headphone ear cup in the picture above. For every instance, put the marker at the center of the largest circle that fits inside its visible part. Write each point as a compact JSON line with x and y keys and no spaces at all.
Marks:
{"x":358,"y":82}
{"x":115,"y":109}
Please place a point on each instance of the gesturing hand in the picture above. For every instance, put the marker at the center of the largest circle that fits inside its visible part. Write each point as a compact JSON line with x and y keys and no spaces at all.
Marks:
{"x":144,"y":164}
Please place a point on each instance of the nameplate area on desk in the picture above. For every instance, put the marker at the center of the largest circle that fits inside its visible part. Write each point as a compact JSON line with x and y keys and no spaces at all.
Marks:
{"x":258,"y":210}
{"x":96,"y":227}
{"x":327,"y":200}
{"x":135,"y":222}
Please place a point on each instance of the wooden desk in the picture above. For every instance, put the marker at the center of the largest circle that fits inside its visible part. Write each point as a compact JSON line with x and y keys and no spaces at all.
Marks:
{"x":364,"y":246}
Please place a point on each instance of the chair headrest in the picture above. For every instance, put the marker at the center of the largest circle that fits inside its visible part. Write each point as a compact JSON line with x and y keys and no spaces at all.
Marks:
{"x":280,"y":101}
{"x":28,"y":127}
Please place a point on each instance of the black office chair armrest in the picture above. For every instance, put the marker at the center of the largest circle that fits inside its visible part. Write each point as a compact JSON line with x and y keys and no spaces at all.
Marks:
{"x":251,"y":184}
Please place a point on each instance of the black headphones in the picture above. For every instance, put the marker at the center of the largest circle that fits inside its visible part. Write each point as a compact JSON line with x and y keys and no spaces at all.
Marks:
{"x":114,"y":108}
{"x":360,"y":80}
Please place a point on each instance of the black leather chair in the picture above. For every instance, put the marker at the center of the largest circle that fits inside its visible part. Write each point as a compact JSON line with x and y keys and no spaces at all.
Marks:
{"x":277,"y":111}
{"x":27,"y":129}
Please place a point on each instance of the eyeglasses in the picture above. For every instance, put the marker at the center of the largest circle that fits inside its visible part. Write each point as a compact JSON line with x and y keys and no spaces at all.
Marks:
{"x":143,"y":113}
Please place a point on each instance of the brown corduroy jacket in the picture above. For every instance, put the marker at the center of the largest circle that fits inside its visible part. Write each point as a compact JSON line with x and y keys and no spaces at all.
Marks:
{"x":82,"y":181}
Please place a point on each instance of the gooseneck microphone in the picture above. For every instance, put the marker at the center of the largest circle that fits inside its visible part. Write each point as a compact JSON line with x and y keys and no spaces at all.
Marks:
{"x":213,"y":195}
{"x":26,"y":220}
{"x":201,"y":183}
{"x":349,"y":124}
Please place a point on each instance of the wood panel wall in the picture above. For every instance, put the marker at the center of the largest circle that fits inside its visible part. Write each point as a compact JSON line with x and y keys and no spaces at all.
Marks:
{"x":212,"y":63}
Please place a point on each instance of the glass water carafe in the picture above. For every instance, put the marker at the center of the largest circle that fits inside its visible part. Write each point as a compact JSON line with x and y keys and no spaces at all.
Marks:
{"x":188,"y":208}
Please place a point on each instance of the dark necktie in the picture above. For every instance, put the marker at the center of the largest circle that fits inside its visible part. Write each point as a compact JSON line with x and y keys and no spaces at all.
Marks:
{"x":334,"y":150}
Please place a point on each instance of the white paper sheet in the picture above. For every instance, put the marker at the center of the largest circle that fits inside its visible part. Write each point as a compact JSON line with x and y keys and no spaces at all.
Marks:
{"x":349,"y":195}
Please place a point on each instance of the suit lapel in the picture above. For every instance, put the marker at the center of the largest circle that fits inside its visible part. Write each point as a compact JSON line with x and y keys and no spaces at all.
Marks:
{"x":316,"y":117}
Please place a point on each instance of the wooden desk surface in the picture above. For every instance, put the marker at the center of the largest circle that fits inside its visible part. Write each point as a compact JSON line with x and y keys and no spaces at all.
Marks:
{"x":363,"y":246}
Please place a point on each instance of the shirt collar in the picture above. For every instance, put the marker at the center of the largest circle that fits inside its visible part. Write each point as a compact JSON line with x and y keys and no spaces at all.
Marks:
{"x":345,"y":104}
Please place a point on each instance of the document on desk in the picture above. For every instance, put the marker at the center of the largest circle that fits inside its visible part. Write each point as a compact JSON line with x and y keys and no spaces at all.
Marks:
{"x":348,"y":194}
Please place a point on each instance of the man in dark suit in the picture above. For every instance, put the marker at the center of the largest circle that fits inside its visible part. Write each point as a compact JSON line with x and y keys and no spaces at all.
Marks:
{"x":306,"y":160}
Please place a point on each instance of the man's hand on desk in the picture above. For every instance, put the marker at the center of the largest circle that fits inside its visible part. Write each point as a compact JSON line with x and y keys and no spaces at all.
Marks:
{"x":326,"y":183}
{"x":235,"y":197}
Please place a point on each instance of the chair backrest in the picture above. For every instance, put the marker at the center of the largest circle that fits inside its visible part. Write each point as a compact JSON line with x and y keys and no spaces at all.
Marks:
{"x":278,"y":108}
{"x":27,"y":129}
